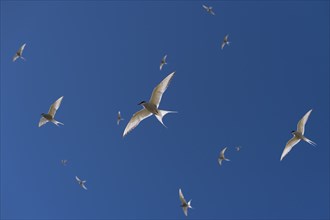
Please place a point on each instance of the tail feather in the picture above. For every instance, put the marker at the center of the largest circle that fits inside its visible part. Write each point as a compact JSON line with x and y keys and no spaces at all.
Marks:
{"x":161,"y":114}
{"x":57,"y":122}
{"x":309,"y":141}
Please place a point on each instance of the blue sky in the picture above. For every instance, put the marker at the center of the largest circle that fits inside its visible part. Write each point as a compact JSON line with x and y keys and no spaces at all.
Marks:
{"x":104,"y":57}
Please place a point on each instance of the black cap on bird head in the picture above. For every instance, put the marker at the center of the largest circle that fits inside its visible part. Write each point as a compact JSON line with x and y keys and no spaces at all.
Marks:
{"x":142,"y":102}
{"x":293,"y":132}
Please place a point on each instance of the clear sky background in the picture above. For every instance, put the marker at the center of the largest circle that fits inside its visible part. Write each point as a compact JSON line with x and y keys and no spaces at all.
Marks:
{"x":104,"y":57}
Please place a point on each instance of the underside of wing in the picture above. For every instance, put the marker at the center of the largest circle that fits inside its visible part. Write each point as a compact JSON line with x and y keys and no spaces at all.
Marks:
{"x":42,"y":121}
{"x":205,"y":7}
{"x":223,"y":45}
{"x":21,"y":49}
{"x":15,"y":57}
{"x":183,"y":201}
{"x":53,"y":108}
{"x":223,"y":152}
{"x":135,"y":120}
{"x":291,"y":143}
{"x":185,"y":210}
{"x":302,"y":122}
{"x":157,"y":93}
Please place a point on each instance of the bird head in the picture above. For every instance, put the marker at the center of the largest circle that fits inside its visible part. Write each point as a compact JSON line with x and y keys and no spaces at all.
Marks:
{"x":292,"y":132}
{"x":42,"y":114}
{"x":142,"y":102}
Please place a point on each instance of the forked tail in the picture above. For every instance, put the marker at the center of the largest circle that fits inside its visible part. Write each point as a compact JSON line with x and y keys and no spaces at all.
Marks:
{"x":161,"y":114}
{"x":309,"y":141}
{"x":57,"y":122}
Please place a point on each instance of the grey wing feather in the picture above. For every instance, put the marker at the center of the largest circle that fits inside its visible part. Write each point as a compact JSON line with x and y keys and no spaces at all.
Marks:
{"x":42,"y":121}
{"x":183,"y":201}
{"x":157,"y":93}
{"x":302,"y":122}
{"x":53,"y":108}
{"x":289,"y":145}
{"x":136,"y":119}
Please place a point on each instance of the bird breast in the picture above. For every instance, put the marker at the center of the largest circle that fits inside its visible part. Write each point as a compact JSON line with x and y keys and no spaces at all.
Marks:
{"x":151,"y":108}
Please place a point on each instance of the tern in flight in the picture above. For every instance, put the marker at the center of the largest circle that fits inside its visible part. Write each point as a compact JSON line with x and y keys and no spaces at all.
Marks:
{"x":298,"y":135}
{"x":225,"y":41}
{"x":184,"y":204}
{"x":81,"y":183}
{"x":119,"y":118}
{"x":209,"y":9}
{"x":238,"y":148}
{"x":19,"y":53}
{"x":64,"y":162}
{"x":162,"y":62}
{"x":222,"y":156}
{"x":51,"y":114}
{"x":151,"y":107}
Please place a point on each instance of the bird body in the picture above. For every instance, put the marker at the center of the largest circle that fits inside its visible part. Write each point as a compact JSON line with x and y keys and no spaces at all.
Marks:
{"x":162,"y":62}
{"x":225,"y":42}
{"x":81,"y":183}
{"x":151,"y":107}
{"x":222,"y":156}
{"x":19,"y":53}
{"x":119,"y":118}
{"x":184,"y":204}
{"x":46,"y":117}
{"x":298,"y":135}
{"x":209,"y":9}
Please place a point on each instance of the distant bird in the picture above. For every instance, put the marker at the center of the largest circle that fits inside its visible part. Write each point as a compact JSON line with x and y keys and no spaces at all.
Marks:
{"x":151,"y":107}
{"x":184,"y":204}
{"x":81,"y":183}
{"x":298,"y":135}
{"x":225,"y":42}
{"x":64,"y":162}
{"x":19,"y":53}
{"x":238,"y":148}
{"x":162,"y":62}
{"x":119,"y":118}
{"x":209,"y":9}
{"x":222,"y":156}
{"x":51,"y":114}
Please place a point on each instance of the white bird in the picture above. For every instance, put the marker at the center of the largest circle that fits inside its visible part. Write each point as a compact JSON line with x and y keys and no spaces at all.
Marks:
{"x":119,"y":118}
{"x":162,"y":62}
{"x":209,"y":9}
{"x":64,"y":162}
{"x":19,"y":53}
{"x":298,"y":135}
{"x":225,"y":41}
{"x":238,"y":148}
{"x":51,"y":114}
{"x":81,"y":183}
{"x":222,"y":156}
{"x":184,"y":204}
{"x":151,"y":107}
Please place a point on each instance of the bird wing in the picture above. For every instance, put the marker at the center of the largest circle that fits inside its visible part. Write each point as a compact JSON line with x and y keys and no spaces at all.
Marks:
{"x":185,"y":210}
{"x":164,"y":58}
{"x":183,"y":201}
{"x":212,"y":12}
{"x":291,"y":143}
{"x":53,"y":108}
{"x":136,"y":119}
{"x":226,"y":37}
{"x":223,"y":45}
{"x":161,"y":66}
{"x":157,"y":93}
{"x":78,"y":179}
{"x":42,"y":121}
{"x":302,"y":122}
{"x":15,"y":57}
{"x":20,"y":51}
{"x":204,"y":6}
{"x":83,"y":186}
{"x":222,"y":153}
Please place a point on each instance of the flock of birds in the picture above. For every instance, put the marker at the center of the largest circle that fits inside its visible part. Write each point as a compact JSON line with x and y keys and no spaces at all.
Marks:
{"x":151,"y":108}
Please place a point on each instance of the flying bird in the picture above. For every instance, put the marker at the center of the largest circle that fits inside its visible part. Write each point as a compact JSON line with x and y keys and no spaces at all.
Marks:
{"x":119,"y":118}
{"x":151,"y":107}
{"x":209,"y":9}
{"x":184,"y":204}
{"x":81,"y":183}
{"x":225,"y":41}
{"x":162,"y":62}
{"x":222,"y":156}
{"x":298,"y":135}
{"x":238,"y":148}
{"x":19,"y":53}
{"x":64,"y":162}
{"x":51,"y":114}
